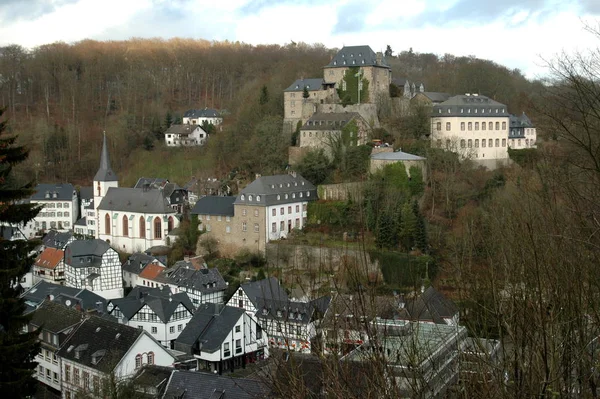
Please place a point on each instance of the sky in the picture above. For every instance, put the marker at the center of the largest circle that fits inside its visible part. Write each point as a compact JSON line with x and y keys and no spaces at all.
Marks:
{"x":522,"y":34}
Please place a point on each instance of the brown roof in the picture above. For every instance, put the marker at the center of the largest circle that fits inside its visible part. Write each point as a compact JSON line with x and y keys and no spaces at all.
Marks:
{"x":151,"y":271}
{"x":50,"y":258}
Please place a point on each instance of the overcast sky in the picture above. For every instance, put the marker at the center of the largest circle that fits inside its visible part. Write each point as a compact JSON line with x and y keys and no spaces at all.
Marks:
{"x":515,"y":33}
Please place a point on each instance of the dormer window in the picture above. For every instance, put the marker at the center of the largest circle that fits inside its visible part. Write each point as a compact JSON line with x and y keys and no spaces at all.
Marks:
{"x":279,"y":314}
{"x":286,"y":196}
{"x":265,"y":311}
{"x":250,"y":197}
{"x":278,"y":197}
{"x":363,"y":61}
{"x":258,"y":198}
{"x":243,"y":197}
{"x":334,"y":62}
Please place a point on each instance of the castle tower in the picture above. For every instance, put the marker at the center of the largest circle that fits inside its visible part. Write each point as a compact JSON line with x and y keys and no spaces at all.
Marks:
{"x":104,"y":179}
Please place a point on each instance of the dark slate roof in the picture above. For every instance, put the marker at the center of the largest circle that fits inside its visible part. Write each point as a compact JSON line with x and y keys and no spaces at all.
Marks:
{"x":55,"y":317}
{"x":350,"y":56}
{"x":198,"y":385}
{"x":96,"y":337}
{"x":520,"y":121}
{"x":152,"y":377}
{"x":183,"y":129}
{"x":329,"y":121}
{"x":55,"y":239}
{"x":135,"y":200}
{"x":161,"y":300}
{"x":204,"y":280}
{"x":137,"y":262}
{"x":154,"y":182}
{"x":47,"y":192}
{"x":202,"y":113}
{"x":105,"y":173}
{"x":468,"y":104}
{"x":396,"y":156}
{"x":268,"y":288}
{"x":81,"y":222}
{"x":93,"y":249}
{"x":43,"y":290}
{"x":210,"y":325}
{"x":431,"y":305}
{"x":297,"y":312}
{"x":86,"y":193}
{"x":214,"y":205}
{"x":436,"y":97}
{"x":269,"y":187}
{"x":311,"y":84}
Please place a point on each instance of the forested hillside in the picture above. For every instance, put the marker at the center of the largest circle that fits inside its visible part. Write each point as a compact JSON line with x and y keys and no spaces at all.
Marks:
{"x":60,"y":97}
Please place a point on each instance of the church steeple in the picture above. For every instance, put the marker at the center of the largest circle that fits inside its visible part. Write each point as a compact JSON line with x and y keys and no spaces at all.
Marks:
{"x":105,"y":173}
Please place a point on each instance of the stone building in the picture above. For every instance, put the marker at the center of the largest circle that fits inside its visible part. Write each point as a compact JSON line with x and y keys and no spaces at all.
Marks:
{"x":324,"y":130}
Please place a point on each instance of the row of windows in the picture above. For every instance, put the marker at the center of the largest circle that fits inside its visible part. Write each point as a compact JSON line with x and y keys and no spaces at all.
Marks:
{"x":144,"y":358}
{"x":54,"y":214}
{"x":53,"y":225}
{"x":57,"y":205}
{"x":77,"y":380}
{"x":469,"y":143}
{"x":220,"y":218}
{"x":282,"y":225}
{"x":285,"y":196}
{"x":49,"y":374}
{"x":141,"y":225}
{"x":470,"y":125}
{"x":475,"y":110}
{"x":282,"y":210}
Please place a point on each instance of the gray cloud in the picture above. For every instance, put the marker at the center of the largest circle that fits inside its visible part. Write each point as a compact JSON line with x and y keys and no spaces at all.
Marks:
{"x":351,"y":17}
{"x":11,"y":10}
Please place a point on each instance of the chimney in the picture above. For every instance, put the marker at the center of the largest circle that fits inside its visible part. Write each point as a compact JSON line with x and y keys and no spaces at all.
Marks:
{"x":258,"y":175}
{"x":379,"y":58}
{"x":186,"y":258}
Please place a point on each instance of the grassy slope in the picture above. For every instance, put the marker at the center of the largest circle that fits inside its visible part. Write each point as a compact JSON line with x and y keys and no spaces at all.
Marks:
{"x":176,"y":164}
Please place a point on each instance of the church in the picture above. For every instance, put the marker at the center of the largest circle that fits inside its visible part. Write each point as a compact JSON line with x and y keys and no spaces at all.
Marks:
{"x":130,"y":219}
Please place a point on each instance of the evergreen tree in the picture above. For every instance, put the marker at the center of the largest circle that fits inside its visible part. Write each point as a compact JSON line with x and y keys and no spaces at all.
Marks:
{"x":388,"y":51}
{"x":386,"y":232}
{"x":168,"y":120}
{"x":305,"y":93}
{"x":421,"y":232}
{"x":409,"y":227}
{"x":264,"y":95}
{"x":17,"y":349}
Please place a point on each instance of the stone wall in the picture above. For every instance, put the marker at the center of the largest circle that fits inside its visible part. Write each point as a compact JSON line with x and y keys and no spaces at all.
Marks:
{"x":367,"y":111}
{"x":295,"y":154}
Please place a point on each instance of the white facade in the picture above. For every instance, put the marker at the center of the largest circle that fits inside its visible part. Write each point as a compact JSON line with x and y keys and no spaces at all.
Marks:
{"x":288,"y":334}
{"x":197,"y":137}
{"x":282,"y":219}
{"x":240,"y":300}
{"x":214,"y":120}
{"x":528,"y":141}
{"x":108,"y":282}
{"x":56,"y":214}
{"x":146,"y":319}
{"x":74,"y":380}
{"x":471,"y":136}
{"x":135,"y":232}
{"x":48,"y":369}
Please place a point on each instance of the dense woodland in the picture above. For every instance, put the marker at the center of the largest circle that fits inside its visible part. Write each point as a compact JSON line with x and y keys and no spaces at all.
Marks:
{"x":517,"y":248}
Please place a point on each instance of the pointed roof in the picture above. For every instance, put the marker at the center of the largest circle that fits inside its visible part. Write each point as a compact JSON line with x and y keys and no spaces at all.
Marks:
{"x":105,"y":173}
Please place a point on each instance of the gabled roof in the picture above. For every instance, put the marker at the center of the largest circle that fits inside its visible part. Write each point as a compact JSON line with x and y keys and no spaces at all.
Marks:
{"x":351,"y":311}
{"x":86,"y":193}
{"x":330,"y":121}
{"x":311,"y":84}
{"x":520,"y":121}
{"x":204,"y":280}
{"x":471,"y":106}
{"x":435,"y":97}
{"x":44,"y":290}
{"x":50,"y":258}
{"x":210,"y":325}
{"x":137,"y":262}
{"x":269,"y":187}
{"x":268,"y":288}
{"x":153,"y":182}
{"x":214,"y":205}
{"x":53,"y":192}
{"x":186,"y":129}
{"x":292,"y":311}
{"x":198,"y":385}
{"x":431,"y":305}
{"x":105,"y":172}
{"x":85,"y":253}
{"x":160,"y":300}
{"x":81,"y":221}
{"x":151,"y":271}
{"x":396,"y":156}
{"x":55,"y":317}
{"x":202,"y":113}
{"x":357,"y":56}
{"x":135,"y":200}
{"x":99,"y":344}
{"x":54,"y":239}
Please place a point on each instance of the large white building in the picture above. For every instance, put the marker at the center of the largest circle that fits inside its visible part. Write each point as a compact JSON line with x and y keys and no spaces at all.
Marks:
{"x":130,"y":219}
{"x":60,"y":207}
{"x":158,"y":311}
{"x":474,"y":126}
{"x":94,"y":265}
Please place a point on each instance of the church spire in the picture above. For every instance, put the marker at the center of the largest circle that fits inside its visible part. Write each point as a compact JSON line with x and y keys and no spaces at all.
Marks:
{"x":105,"y":173}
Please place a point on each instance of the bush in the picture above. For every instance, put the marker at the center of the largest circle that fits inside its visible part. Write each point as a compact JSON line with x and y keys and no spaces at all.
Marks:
{"x":250,"y":258}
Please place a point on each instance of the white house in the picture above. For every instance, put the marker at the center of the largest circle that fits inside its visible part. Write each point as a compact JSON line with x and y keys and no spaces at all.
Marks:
{"x":140,"y":268}
{"x":185,"y":135}
{"x":223,"y":338}
{"x":202,"y":285}
{"x":60,"y":206}
{"x":99,"y":349}
{"x":290,"y":325}
{"x":50,"y":266}
{"x":474,"y":126}
{"x":56,"y":322}
{"x":130,"y":219}
{"x":158,"y":311}
{"x":522,"y":133}
{"x":94,"y":265}
{"x":200,"y":116}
